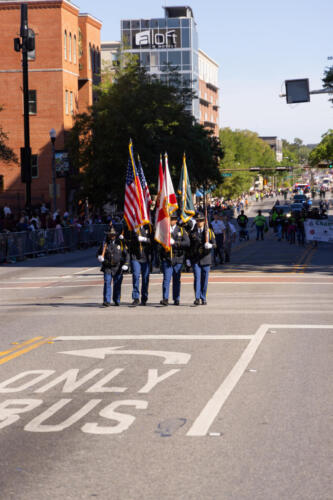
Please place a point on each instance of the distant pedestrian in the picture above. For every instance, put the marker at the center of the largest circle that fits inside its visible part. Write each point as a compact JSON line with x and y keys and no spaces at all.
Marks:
{"x":261,"y":225}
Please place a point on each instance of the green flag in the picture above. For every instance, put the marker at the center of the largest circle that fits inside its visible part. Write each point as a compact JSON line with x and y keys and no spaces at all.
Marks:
{"x":185,"y":194}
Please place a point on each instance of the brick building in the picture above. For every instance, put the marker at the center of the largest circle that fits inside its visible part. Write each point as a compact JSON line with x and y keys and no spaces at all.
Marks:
{"x":208,"y":92}
{"x":62,"y":71}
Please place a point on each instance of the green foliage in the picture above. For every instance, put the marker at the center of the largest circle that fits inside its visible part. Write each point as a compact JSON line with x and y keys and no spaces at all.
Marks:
{"x":6,"y":154}
{"x":324,"y":150}
{"x":328,"y":79}
{"x":295,"y":153}
{"x":242,"y":149}
{"x":139,"y":106}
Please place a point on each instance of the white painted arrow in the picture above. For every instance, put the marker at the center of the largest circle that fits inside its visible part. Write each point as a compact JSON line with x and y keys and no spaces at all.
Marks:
{"x":170,"y":358}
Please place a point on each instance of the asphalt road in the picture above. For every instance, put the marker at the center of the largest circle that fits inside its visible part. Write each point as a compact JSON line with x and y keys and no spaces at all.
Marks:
{"x":227,"y":401}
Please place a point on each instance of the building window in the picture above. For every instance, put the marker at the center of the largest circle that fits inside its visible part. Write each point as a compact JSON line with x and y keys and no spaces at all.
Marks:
{"x":145,"y":59}
{"x":174,"y":58}
{"x":65,"y":45}
{"x":93,"y":59}
{"x":34,"y":166}
{"x":71,"y":103}
{"x":32,"y":102}
{"x":89,"y":57}
{"x":70,"y":48}
{"x":185,"y":37}
{"x":74,"y":49}
{"x":66,"y":102}
{"x":154,"y":59}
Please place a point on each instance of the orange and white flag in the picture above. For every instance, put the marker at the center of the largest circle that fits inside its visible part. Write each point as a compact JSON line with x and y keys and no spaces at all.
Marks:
{"x":166,"y":204}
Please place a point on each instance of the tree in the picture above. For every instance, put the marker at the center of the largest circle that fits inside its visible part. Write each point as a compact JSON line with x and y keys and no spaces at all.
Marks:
{"x":139,"y":106}
{"x":324,"y":150}
{"x":6,"y":154}
{"x":328,"y":79}
{"x":242,"y":149}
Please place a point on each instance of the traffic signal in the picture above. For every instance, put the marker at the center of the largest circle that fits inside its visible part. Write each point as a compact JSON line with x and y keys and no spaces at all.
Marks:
{"x":330,"y":165}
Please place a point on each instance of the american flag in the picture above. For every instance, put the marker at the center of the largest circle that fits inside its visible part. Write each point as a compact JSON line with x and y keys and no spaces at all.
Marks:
{"x":145,"y":188}
{"x":135,"y":211}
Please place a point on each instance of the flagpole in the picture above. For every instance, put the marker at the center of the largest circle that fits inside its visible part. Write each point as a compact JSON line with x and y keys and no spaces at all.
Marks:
{"x":165,"y":164}
{"x":130,"y":147}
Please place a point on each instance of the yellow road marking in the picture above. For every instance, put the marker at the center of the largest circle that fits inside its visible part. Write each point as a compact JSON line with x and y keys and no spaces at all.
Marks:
{"x":20,"y":345}
{"x":308,"y":260}
{"x":299,"y":264}
{"x":24,"y":351}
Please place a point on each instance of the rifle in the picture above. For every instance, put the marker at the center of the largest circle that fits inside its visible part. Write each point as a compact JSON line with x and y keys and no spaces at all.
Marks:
{"x":106,"y":241}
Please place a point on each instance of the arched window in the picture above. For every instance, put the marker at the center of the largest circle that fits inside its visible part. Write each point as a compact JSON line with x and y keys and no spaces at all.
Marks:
{"x":89,"y":56}
{"x":65,"y":45}
{"x":74,"y":49}
{"x":70,"y":48}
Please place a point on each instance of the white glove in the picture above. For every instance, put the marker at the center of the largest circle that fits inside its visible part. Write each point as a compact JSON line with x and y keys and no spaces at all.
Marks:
{"x":124,"y":267}
{"x":208,"y":246}
{"x":188,"y":262}
{"x":143,"y":239}
{"x":121,"y":236}
{"x":172,"y":241}
{"x":100,"y":258}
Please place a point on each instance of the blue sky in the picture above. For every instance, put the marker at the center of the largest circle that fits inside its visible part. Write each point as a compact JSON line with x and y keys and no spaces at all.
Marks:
{"x":258,"y":44}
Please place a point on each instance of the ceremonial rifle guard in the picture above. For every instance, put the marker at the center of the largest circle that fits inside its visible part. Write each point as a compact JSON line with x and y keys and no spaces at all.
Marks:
{"x":202,"y":241}
{"x":172,"y":262}
{"x":114,"y":259}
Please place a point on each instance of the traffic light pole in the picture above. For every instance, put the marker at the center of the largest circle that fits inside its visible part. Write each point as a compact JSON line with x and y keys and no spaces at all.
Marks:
{"x":24,"y":44}
{"x":27,"y":167}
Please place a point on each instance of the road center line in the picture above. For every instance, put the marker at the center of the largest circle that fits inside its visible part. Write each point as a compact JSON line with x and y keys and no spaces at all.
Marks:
{"x":24,"y":351}
{"x":3,"y":353}
{"x":207,"y":416}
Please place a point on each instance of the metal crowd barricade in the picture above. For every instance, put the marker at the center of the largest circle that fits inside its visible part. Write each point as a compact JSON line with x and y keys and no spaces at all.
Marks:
{"x":18,"y":246}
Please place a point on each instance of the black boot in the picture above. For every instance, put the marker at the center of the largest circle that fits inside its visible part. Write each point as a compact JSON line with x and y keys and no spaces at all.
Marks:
{"x":164,"y":302}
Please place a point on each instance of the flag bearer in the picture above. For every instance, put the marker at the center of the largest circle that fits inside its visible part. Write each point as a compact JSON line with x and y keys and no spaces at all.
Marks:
{"x":172,"y":262}
{"x":140,"y":245}
{"x":114,"y":259}
{"x":202,"y":241}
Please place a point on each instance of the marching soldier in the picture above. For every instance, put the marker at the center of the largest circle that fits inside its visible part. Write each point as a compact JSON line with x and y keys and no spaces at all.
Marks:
{"x":173,"y":261}
{"x":202,"y":241}
{"x":140,"y":245}
{"x":114,"y":259}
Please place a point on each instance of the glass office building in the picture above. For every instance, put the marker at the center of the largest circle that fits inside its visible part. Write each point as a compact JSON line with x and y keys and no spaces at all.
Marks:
{"x":171,"y":41}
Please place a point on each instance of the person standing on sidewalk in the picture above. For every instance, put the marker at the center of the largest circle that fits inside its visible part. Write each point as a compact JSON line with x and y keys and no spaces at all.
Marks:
{"x":261,"y":225}
{"x":114,"y":259}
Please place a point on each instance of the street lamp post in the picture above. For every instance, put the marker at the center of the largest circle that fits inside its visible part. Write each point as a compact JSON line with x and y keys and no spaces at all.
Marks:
{"x":53,"y":135}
